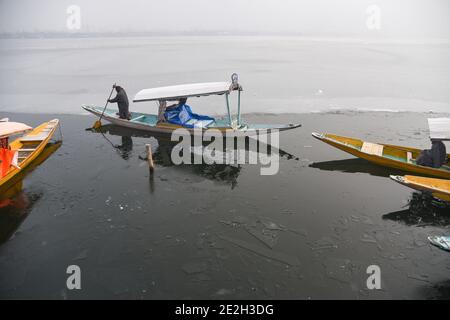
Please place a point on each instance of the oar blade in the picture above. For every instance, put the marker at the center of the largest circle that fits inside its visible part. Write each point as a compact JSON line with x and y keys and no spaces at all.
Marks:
{"x":97,"y":124}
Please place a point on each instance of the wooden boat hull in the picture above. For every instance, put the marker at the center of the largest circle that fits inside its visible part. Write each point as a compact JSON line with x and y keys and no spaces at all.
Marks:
{"x":44,"y":133}
{"x":14,"y":185}
{"x":148,"y":122}
{"x":392,"y":156}
{"x":439,"y":188}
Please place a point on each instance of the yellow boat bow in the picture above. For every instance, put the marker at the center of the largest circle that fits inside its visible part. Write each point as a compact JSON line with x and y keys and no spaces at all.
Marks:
{"x":439,"y":188}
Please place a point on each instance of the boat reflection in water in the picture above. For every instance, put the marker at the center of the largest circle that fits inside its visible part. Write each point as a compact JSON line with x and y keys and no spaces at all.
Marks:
{"x":356,"y":165}
{"x":162,"y":150}
{"x":437,"y":291}
{"x":422,"y":209}
{"x":16,"y":203}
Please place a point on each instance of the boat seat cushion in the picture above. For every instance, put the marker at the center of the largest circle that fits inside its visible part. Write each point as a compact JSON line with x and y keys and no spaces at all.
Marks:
{"x":138,"y":118}
{"x":372,"y":148}
{"x":193,"y":123}
{"x":409,"y":158}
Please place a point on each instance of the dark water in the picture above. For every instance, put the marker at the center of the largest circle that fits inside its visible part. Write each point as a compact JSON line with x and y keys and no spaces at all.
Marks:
{"x":199,"y":231}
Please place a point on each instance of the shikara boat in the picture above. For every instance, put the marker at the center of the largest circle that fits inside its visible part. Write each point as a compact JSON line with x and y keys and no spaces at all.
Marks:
{"x":387,"y":155}
{"x":439,"y":188}
{"x":24,"y":149}
{"x":230,"y":125}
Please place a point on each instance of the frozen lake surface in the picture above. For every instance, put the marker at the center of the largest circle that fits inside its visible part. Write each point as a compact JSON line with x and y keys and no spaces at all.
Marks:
{"x":222,"y":231}
{"x":279,"y":74}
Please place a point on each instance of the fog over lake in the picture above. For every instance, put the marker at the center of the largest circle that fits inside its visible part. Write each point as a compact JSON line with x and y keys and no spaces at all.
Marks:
{"x":292,"y":56}
{"x":278,"y":74}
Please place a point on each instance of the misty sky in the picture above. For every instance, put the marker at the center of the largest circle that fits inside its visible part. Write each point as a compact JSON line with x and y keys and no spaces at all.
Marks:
{"x":399,"y":18}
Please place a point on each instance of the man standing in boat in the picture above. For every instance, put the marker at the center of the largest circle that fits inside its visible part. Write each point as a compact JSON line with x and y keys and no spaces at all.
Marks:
{"x":122,"y":103}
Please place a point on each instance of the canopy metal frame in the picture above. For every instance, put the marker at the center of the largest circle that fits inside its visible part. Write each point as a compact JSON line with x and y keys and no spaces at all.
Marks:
{"x":227,"y":100}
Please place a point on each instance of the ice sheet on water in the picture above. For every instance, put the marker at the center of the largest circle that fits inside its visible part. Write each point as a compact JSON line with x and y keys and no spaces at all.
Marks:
{"x":200,"y":277}
{"x":324,"y":243}
{"x":195,"y":267}
{"x":82,"y":255}
{"x":346,"y":271}
{"x":267,"y":237}
{"x":271,"y":225}
{"x":268,"y":253}
{"x":240,"y":220}
{"x":170,"y":241}
{"x":299,"y":231}
{"x":368,"y":239}
{"x":223,"y":292}
{"x":340,"y":270}
{"x":262,"y":228}
{"x":420,"y":277}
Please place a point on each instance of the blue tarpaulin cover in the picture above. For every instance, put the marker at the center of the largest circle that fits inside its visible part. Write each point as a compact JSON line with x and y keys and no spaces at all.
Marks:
{"x":183,"y":115}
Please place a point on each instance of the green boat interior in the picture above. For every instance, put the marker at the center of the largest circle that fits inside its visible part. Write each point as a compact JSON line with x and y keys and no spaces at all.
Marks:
{"x":151,"y":120}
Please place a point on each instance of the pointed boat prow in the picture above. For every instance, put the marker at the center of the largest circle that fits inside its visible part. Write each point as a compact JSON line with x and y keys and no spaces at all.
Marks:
{"x":317,"y":135}
{"x":398,"y":179}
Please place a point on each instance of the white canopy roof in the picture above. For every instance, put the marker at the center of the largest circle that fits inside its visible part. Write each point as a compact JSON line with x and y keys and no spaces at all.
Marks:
{"x":439,"y":128}
{"x":183,"y":91}
{"x":9,"y":128}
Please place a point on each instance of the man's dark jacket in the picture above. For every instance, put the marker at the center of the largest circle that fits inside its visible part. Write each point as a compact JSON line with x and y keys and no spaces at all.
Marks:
{"x":122,"y":102}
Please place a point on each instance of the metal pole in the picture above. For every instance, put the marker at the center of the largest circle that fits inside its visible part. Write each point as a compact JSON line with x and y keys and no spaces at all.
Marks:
{"x":239,"y":108}
{"x":228,"y":109}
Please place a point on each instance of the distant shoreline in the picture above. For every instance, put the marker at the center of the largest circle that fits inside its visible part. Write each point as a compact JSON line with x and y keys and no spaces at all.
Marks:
{"x":318,"y":112}
{"x":148,"y":34}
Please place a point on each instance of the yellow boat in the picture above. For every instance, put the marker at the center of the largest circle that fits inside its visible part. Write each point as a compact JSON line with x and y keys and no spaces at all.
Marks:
{"x":439,"y":188}
{"x":386,"y":155}
{"x":28,"y":148}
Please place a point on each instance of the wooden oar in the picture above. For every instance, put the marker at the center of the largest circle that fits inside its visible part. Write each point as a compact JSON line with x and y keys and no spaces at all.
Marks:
{"x":98,"y":123}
